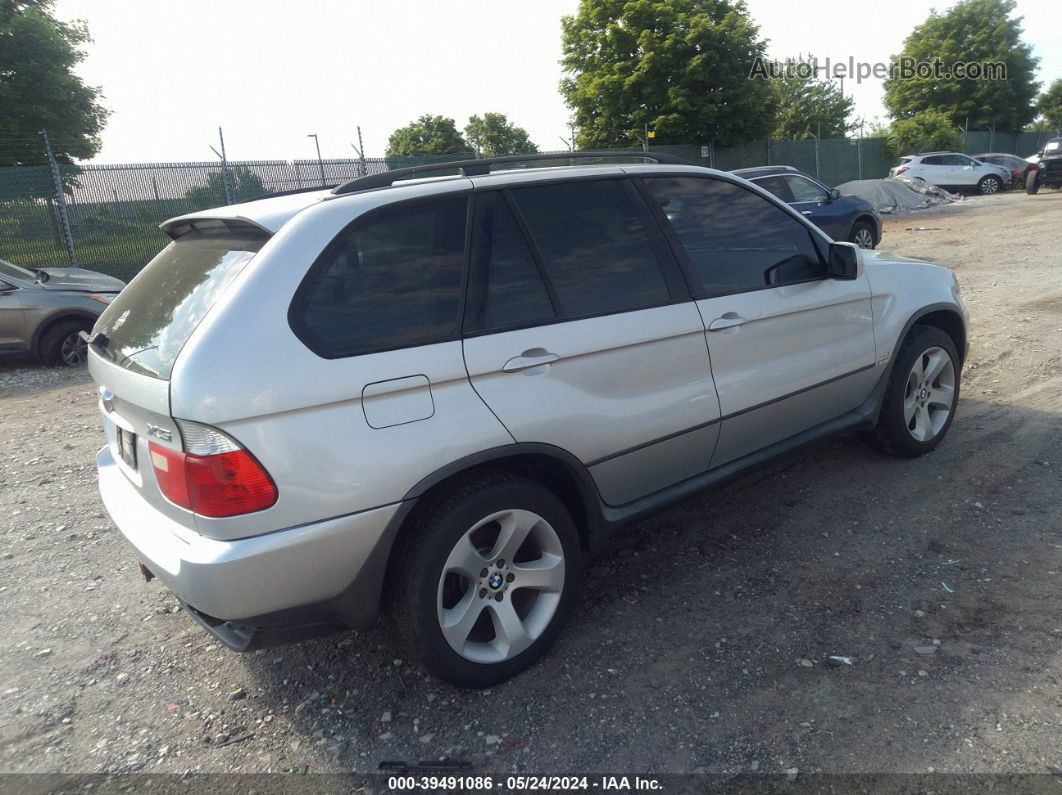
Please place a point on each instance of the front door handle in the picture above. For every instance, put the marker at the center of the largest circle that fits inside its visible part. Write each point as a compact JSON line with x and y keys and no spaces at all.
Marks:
{"x":806,"y":212}
{"x":535,"y":357}
{"x":729,"y":320}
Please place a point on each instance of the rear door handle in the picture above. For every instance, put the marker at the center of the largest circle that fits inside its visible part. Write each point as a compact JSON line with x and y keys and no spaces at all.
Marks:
{"x":535,"y":357}
{"x":806,"y":212}
{"x":729,"y":320}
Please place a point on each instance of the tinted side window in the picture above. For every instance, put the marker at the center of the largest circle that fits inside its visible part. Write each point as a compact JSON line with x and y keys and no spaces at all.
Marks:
{"x":594,"y":249}
{"x":735,"y":239}
{"x":933,"y":160}
{"x":804,"y":190}
{"x":775,"y":185}
{"x":510,"y":291}
{"x":391,"y":282}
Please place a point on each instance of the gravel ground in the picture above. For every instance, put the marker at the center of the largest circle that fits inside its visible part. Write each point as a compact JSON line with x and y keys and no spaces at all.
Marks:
{"x":705,"y":638}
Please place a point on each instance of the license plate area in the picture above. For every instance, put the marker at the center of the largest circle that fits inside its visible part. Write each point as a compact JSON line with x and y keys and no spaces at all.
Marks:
{"x":126,"y":447}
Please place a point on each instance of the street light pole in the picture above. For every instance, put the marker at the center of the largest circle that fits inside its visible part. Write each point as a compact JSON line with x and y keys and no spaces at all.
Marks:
{"x":320,"y":162}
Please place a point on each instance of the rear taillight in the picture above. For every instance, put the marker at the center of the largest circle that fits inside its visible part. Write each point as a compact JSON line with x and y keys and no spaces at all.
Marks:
{"x":213,"y":476}
{"x":900,"y":170}
{"x":1034,"y":166}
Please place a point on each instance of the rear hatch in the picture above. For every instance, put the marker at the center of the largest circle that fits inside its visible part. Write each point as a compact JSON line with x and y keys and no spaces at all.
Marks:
{"x":137,"y":340}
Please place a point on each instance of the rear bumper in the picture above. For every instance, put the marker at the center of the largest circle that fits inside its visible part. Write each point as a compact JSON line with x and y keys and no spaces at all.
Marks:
{"x":300,"y":581}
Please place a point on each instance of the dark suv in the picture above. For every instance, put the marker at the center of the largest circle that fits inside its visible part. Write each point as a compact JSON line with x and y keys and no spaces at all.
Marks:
{"x":841,"y":217}
{"x":1048,"y":170}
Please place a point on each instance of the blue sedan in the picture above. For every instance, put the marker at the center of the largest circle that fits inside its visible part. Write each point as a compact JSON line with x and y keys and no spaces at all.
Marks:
{"x":841,"y":217}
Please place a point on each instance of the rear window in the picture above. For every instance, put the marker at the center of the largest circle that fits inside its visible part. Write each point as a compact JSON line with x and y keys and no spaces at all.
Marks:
{"x":153,"y":317}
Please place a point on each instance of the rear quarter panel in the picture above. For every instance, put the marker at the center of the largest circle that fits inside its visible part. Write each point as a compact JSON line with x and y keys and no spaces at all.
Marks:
{"x":302,"y":416}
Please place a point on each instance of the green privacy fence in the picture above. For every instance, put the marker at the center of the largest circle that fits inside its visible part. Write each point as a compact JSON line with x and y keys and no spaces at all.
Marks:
{"x":113,"y":211}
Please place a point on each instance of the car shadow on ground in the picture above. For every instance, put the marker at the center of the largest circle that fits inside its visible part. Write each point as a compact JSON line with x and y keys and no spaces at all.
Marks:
{"x":833,"y":611}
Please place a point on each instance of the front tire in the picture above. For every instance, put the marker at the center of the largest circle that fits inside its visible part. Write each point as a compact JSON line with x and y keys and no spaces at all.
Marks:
{"x":1032,"y":183}
{"x":989,"y":185}
{"x":62,"y":344}
{"x":485,"y":579}
{"x":921,"y":396}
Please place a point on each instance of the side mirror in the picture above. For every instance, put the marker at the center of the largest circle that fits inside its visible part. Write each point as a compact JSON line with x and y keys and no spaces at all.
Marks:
{"x":843,"y":262}
{"x":834,"y":193}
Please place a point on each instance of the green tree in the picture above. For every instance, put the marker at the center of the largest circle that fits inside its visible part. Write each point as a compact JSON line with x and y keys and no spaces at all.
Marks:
{"x":927,"y":131}
{"x":970,"y":31}
{"x":806,"y":105}
{"x":244,"y":184}
{"x":428,"y":135}
{"x":493,"y":135}
{"x":1049,"y":104}
{"x":39,"y":90}
{"x":680,"y":67}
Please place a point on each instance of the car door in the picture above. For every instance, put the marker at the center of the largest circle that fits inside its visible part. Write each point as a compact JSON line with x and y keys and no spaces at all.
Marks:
{"x":12,"y":318}
{"x":790,"y":348}
{"x":580,"y":333}
{"x":962,"y":171}
{"x":814,"y":201}
{"x":932,"y":170}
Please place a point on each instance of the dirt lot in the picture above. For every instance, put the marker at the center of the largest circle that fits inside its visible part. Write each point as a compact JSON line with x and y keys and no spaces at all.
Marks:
{"x":703,"y":639}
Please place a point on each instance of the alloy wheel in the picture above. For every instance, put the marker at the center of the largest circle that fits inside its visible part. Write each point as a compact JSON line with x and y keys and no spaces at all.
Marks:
{"x":990,"y":185}
{"x":500,"y":586}
{"x":73,"y":350}
{"x":930,"y":395}
{"x":864,"y":238}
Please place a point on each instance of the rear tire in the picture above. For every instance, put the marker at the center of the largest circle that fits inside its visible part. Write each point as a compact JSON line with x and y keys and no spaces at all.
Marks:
{"x":989,"y":185}
{"x":921,"y":396}
{"x":61,"y":345}
{"x":484,"y":581}
{"x":862,"y":234}
{"x":1032,"y":183}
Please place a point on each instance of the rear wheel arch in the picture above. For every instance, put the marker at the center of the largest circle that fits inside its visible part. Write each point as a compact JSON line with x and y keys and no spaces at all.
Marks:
{"x":43,"y":328}
{"x":555,"y":469}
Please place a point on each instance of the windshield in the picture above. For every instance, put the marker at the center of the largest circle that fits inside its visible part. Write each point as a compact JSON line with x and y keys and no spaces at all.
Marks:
{"x":151,"y":319}
{"x":1053,"y":145}
{"x":13,"y":271}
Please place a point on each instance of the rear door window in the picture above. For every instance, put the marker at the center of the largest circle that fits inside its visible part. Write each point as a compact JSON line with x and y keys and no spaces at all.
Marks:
{"x":508,"y":289}
{"x":933,"y":160}
{"x":391,"y":281}
{"x":152,"y":318}
{"x":594,"y":247}
{"x":776,"y":186}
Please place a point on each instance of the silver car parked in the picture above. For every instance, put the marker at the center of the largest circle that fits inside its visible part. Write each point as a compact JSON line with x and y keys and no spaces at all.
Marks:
{"x":43,"y":311}
{"x":439,"y":396}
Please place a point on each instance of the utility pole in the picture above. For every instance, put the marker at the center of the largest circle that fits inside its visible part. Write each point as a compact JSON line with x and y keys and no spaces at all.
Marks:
{"x":818,"y":136}
{"x":60,"y":202}
{"x":361,"y":153}
{"x":229,"y":193}
{"x":320,"y":162}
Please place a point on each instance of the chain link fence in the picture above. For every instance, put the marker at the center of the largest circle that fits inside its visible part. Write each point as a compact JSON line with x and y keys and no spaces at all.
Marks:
{"x":114,"y":211}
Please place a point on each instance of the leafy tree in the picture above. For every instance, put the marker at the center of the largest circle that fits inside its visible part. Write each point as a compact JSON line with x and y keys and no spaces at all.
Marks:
{"x":681,"y":67}
{"x":1050,"y":106}
{"x":970,"y":31}
{"x":39,"y":90}
{"x":930,"y":130}
{"x":493,"y":135}
{"x":244,"y":184}
{"x":428,"y":135}
{"x":804,"y":104}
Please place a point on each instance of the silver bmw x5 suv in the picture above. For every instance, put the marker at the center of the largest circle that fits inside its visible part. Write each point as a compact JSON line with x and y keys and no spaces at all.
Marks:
{"x":434,"y":398}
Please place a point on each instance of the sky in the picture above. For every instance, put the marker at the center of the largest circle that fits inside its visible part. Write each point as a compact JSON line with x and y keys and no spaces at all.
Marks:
{"x":271,"y":73}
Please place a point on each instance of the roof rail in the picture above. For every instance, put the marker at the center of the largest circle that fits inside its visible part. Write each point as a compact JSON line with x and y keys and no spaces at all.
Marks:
{"x":470,"y":168}
{"x":273,"y":194}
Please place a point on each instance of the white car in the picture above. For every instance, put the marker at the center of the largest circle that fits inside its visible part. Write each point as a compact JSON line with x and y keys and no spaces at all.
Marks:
{"x":953,"y":171}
